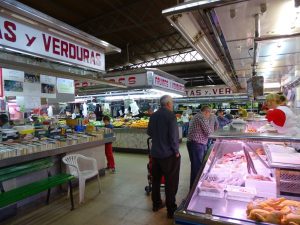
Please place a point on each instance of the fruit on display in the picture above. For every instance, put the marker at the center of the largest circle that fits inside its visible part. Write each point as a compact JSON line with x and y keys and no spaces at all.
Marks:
{"x":276,"y":211}
{"x":118,"y":123}
{"x":142,"y":123}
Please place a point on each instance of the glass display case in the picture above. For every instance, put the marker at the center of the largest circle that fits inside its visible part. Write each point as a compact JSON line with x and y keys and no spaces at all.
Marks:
{"x":246,"y":178}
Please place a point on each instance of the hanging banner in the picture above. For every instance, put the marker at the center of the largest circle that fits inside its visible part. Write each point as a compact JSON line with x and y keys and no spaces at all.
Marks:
{"x":32,"y":85}
{"x":23,"y":37}
{"x":65,"y":86}
{"x":208,"y":91}
{"x":48,"y":86}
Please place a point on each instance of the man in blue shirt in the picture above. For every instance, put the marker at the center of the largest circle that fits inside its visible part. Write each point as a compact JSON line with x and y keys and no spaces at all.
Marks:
{"x":165,"y":155}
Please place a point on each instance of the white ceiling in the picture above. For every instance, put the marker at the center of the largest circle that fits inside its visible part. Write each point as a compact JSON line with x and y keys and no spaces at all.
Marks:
{"x":277,"y":59}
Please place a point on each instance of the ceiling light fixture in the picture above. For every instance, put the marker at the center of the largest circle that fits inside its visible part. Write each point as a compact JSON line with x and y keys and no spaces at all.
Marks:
{"x":189,"y":27}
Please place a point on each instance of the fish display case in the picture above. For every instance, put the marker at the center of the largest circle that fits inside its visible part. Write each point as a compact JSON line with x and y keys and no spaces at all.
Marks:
{"x":246,"y":178}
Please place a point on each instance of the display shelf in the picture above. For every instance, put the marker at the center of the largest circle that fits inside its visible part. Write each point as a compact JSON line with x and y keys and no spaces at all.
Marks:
{"x":53,"y":152}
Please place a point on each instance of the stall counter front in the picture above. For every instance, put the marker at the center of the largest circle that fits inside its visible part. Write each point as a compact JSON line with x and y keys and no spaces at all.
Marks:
{"x":134,"y":140}
{"x":95,"y":149}
{"x":245,"y":180}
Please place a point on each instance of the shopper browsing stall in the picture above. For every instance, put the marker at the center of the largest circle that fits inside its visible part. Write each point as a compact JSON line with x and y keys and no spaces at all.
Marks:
{"x":197,"y":140}
{"x":222,"y":120}
{"x":163,"y":130}
{"x":228,"y":115}
{"x":108,"y":148}
{"x":185,"y":120}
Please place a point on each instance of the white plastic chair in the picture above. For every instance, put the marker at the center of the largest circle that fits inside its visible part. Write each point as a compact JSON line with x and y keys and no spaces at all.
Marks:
{"x":72,"y":162}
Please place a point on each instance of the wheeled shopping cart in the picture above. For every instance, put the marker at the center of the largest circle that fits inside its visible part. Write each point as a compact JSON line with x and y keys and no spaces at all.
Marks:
{"x":148,"y":188}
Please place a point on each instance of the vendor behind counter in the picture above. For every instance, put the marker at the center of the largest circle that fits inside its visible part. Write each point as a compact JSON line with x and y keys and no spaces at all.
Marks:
{"x":281,"y":116}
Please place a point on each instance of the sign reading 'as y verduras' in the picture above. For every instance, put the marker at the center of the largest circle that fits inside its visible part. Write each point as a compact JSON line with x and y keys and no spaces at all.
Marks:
{"x":27,"y":38}
{"x":208,"y":91}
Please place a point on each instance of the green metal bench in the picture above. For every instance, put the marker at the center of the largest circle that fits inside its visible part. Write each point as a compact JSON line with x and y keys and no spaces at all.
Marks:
{"x":19,"y":193}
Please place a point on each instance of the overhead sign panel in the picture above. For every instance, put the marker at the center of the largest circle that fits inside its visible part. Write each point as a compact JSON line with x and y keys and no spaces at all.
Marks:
{"x":218,"y":90}
{"x":33,"y":40}
{"x":166,"y":83}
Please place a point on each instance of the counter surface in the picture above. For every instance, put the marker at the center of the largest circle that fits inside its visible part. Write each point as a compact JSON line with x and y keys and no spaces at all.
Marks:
{"x":236,"y":134}
{"x":53,"y":152}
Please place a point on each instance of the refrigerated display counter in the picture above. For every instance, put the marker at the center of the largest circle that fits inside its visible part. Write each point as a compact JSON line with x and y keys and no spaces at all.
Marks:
{"x":246,"y":178}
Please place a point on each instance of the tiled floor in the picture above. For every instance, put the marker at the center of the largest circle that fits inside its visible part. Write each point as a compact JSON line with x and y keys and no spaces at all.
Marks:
{"x":122,"y":202}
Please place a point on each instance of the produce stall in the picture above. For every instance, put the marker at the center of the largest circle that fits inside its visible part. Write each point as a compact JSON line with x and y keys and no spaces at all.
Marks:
{"x":246,"y":178}
{"x":131,"y":119}
{"x":131,"y":136}
{"x":36,"y":74}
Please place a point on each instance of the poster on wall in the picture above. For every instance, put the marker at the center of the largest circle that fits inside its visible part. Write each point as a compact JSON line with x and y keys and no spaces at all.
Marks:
{"x":48,"y":86}
{"x":28,"y":102}
{"x":65,"y":86}
{"x":32,"y":85}
{"x":13,"y":82}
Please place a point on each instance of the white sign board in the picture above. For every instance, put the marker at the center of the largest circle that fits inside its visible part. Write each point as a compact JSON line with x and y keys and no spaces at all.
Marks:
{"x":65,"y":86}
{"x":128,"y":80}
{"x":162,"y":82}
{"x":218,"y":90}
{"x":30,"y":39}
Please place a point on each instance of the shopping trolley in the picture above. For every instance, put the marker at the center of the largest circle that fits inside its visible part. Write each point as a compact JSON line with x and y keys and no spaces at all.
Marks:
{"x":148,"y":188}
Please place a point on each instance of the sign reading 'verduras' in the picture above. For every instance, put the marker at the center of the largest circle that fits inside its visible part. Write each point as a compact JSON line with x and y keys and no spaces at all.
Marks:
{"x":208,"y":91}
{"x":27,"y":38}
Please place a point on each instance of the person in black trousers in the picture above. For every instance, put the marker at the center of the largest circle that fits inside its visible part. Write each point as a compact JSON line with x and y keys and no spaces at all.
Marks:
{"x":165,"y":155}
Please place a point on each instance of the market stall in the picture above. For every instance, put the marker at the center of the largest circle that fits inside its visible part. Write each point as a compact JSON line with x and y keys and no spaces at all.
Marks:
{"x":130,"y":117}
{"x":39,"y":61}
{"x":260,"y":182}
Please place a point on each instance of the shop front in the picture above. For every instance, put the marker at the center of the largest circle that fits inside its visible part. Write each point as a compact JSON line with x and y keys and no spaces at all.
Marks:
{"x":40,"y":59}
{"x":131,"y":108}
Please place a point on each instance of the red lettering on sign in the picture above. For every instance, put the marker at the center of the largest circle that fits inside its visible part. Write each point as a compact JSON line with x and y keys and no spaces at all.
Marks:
{"x":131,"y":80}
{"x":77,"y":84}
{"x":55,"y":46}
{"x":215,"y":91}
{"x":64,"y":48}
{"x":72,"y":51}
{"x":30,"y":40}
{"x":121,"y":80}
{"x":198,"y":92}
{"x":228,"y":91}
{"x":221,"y":91}
{"x":79,"y":53}
{"x":47,"y":42}
{"x":10,"y":28}
{"x":92,"y":58}
{"x":86,"y":55}
{"x":85,"y":84}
